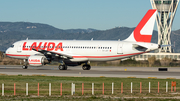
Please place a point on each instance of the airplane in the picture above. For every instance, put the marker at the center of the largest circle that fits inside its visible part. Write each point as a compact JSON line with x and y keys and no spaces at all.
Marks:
{"x":81,"y":52}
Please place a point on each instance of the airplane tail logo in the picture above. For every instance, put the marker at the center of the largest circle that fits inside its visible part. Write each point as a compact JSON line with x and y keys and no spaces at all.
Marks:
{"x":143,"y":31}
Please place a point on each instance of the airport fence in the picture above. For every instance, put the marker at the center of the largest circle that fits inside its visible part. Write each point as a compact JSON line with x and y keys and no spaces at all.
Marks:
{"x":59,"y":89}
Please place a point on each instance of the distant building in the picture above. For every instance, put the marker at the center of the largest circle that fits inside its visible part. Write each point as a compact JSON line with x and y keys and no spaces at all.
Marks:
{"x":165,"y":16}
{"x":159,"y":56}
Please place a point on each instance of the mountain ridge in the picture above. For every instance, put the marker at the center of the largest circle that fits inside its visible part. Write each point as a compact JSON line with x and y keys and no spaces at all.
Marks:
{"x":11,"y":32}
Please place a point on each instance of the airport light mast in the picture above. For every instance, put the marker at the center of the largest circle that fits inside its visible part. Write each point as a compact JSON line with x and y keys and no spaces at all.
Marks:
{"x":166,"y":12}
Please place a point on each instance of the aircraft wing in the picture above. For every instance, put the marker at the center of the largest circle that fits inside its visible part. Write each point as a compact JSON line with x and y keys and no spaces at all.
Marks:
{"x":45,"y":52}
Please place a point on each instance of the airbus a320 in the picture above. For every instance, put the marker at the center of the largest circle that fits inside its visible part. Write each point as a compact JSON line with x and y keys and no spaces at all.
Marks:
{"x":81,"y":52}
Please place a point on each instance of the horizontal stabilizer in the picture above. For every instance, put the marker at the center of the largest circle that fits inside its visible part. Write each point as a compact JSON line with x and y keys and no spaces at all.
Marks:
{"x":165,"y":45}
{"x":139,"y":47}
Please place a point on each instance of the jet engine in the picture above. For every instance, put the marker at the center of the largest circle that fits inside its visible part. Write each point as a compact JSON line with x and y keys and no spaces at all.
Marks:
{"x":37,"y":60}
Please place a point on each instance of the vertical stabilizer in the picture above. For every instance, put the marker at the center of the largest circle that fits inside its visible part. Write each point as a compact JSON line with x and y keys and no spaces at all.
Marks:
{"x":143,"y":31}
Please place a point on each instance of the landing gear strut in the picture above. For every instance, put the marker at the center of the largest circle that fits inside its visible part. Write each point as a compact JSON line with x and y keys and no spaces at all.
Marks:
{"x":86,"y":67}
{"x":25,"y":64}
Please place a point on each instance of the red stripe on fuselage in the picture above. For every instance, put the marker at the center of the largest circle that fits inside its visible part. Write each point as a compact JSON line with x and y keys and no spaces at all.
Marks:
{"x":89,"y":56}
{"x":107,"y":56}
{"x":17,"y":55}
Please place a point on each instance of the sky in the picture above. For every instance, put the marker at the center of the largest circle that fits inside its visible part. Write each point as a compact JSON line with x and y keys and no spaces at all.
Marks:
{"x":74,"y":14}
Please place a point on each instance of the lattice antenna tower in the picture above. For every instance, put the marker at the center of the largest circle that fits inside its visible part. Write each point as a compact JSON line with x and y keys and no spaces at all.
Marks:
{"x":165,"y":16}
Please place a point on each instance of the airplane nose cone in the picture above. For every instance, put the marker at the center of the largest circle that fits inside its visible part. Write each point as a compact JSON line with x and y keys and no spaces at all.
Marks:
{"x":7,"y":51}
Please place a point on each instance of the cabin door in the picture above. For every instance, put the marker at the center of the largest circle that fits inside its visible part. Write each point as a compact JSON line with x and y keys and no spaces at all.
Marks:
{"x":120,"y":48}
{"x":19,"y":48}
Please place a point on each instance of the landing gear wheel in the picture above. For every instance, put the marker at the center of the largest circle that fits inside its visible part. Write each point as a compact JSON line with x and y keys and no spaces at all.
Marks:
{"x":89,"y":67}
{"x":24,"y":67}
{"x":86,"y":67}
{"x":62,"y":67}
{"x":65,"y":67}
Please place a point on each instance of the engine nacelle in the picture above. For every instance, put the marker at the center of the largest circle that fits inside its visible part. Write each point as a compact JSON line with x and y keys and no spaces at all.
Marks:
{"x":37,"y":60}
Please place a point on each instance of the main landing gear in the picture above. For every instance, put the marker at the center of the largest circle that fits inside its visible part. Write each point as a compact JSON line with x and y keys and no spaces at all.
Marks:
{"x":86,"y":67}
{"x":62,"y":67}
{"x":25,"y":64}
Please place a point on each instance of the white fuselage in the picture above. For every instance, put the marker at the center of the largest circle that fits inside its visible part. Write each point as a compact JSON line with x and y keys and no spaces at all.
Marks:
{"x":73,"y":53}
{"x":79,"y":50}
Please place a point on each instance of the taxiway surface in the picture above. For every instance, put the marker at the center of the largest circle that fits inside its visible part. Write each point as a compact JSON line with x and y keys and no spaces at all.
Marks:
{"x":96,"y":71}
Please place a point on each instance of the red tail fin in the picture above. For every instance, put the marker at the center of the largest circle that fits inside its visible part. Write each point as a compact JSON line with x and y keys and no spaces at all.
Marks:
{"x":143,"y":31}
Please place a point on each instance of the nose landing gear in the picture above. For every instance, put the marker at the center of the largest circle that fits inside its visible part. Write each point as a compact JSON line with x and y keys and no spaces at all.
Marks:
{"x":25,"y":64}
{"x":24,"y":67}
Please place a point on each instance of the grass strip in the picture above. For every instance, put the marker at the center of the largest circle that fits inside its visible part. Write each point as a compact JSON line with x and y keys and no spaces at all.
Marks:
{"x":98,"y":81}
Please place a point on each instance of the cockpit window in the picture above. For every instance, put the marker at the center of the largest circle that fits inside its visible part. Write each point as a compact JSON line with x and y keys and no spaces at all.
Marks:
{"x":12,"y":46}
